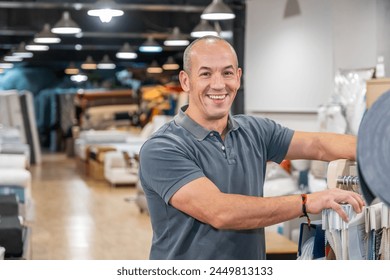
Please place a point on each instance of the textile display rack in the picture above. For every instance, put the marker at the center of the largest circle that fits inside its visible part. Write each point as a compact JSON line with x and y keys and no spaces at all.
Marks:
{"x":367,"y":235}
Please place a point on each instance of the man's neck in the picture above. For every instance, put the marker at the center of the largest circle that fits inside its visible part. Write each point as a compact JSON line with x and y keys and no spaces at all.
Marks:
{"x":219,"y":125}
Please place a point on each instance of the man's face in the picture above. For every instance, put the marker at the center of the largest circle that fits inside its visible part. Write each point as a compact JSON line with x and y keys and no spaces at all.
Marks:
{"x":213,"y":80}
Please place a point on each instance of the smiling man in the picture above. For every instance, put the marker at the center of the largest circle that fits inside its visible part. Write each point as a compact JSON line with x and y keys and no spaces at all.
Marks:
{"x":212,"y":76}
{"x":203,"y":172}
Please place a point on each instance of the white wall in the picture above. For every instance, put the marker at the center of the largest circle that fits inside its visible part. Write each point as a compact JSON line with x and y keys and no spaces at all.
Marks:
{"x":296,"y":121}
{"x":290,"y":61}
{"x":354,"y":33}
{"x":383,"y":34}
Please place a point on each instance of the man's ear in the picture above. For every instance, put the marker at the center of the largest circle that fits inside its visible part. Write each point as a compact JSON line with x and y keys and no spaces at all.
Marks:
{"x":239,"y":74}
{"x":184,"y":81}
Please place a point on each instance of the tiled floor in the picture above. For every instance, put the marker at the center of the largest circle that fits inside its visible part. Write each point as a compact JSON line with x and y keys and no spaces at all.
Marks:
{"x":78,"y":218}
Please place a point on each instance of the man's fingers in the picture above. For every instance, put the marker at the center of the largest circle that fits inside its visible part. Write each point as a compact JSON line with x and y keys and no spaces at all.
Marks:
{"x":356,"y":202}
{"x":337,"y":207}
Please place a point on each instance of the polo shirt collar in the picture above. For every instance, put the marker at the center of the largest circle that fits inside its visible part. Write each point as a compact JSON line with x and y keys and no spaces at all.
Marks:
{"x":199,"y":132}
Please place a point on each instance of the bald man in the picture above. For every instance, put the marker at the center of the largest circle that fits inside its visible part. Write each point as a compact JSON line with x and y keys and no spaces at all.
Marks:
{"x":203,"y":172}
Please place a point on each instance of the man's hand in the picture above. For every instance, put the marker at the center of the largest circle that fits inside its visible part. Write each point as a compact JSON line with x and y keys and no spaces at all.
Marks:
{"x":332,"y":198}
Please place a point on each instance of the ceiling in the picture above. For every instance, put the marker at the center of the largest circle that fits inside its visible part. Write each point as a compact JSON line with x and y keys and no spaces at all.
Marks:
{"x":21,"y":20}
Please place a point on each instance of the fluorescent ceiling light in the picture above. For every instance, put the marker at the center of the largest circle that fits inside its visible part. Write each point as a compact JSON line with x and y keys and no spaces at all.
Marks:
{"x":72,"y":69}
{"x":89,"y":64}
{"x":6,"y":65}
{"x":203,"y":29}
{"x":176,"y":39}
{"x":79,"y":78}
{"x":154,"y":68}
{"x":66,"y":25}
{"x":217,"y":10}
{"x":12,"y":58}
{"x":22,"y":52}
{"x":170,"y":64}
{"x":106,"y":63}
{"x":36,"y":47}
{"x":46,"y":36}
{"x":150,"y":45}
{"x":126,"y":52}
{"x":105,"y":10}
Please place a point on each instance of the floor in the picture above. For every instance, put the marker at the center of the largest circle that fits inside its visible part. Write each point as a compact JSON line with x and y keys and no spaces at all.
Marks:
{"x":77,"y":218}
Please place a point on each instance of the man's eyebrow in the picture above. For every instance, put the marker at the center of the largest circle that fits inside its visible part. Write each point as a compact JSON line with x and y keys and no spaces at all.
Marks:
{"x":204,"y":68}
{"x":209,"y":68}
{"x":228,"y":67}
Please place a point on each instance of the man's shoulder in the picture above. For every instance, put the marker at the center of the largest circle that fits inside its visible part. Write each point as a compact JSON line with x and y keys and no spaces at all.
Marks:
{"x":168,"y":134}
{"x":249,"y":120}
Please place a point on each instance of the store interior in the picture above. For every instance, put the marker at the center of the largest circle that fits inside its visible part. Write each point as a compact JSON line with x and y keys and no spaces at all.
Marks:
{"x":76,"y":109}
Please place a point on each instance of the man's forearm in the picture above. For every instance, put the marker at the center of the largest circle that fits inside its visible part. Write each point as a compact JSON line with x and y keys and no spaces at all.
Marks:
{"x":322,"y":146}
{"x":245,"y":212}
{"x":337,"y":146}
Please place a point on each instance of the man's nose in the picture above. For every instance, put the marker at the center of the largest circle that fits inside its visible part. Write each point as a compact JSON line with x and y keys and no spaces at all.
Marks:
{"x":217,"y":82}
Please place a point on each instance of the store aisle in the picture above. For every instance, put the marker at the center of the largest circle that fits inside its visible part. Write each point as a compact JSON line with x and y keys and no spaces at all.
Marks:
{"x":78,"y":218}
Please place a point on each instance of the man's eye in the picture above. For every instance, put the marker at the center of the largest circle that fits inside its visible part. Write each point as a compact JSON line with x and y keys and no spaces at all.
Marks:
{"x":205,"y":74}
{"x":228,"y":73}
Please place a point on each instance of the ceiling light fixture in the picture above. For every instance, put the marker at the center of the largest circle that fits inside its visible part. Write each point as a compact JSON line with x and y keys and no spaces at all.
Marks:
{"x":203,"y":29}
{"x":79,"y":78}
{"x":46,"y":36}
{"x":12,"y":58}
{"x":105,"y":10}
{"x":22,"y":52}
{"x":126,"y":52}
{"x":66,"y":25}
{"x":72,"y":69}
{"x":89,"y":64}
{"x":150,"y":45}
{"x":106,"y":63}
{"x":6,"y":65}
{"x":217,"y":10}
{"x":170,"y":64}
{"x":226,"y":34}
{"x":154,"y":68}
{"x":36,"y":47}
{"x":176,"y":38}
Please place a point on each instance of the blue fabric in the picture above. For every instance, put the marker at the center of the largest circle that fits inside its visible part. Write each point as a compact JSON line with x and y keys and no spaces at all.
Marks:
{"x":11,"y":189}
{"x":182,"y":151}
{"x":47,"y":112}
{"x":33,"y":79}
{"x":315,"y":230}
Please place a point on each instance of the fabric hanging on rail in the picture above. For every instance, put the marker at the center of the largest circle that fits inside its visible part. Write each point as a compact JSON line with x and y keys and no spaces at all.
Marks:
{"x":384,"y":250}
{"x":373,"y":229}
{"x":365,"y":237}
{"x":347,"y":240}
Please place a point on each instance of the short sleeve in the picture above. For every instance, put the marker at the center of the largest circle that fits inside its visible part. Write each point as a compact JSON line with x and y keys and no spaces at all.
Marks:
{"x":278,"y":141}
{"x":165,"y":166}
{"x":273,"y":138}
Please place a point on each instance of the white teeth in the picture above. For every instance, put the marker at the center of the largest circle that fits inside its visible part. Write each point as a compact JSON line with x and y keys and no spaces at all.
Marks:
{"x":220,"y":97}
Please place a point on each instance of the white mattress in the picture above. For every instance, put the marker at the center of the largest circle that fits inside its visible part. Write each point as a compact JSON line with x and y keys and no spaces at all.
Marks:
{"x":13,"y":115}
{"x":13,"y":161}
{"x":9,"y":134}
{"x":104,"y":116}
{"x":104,"y":136}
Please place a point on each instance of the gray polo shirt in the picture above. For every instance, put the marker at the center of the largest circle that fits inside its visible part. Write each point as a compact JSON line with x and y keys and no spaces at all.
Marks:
{"x":182,"y":151}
